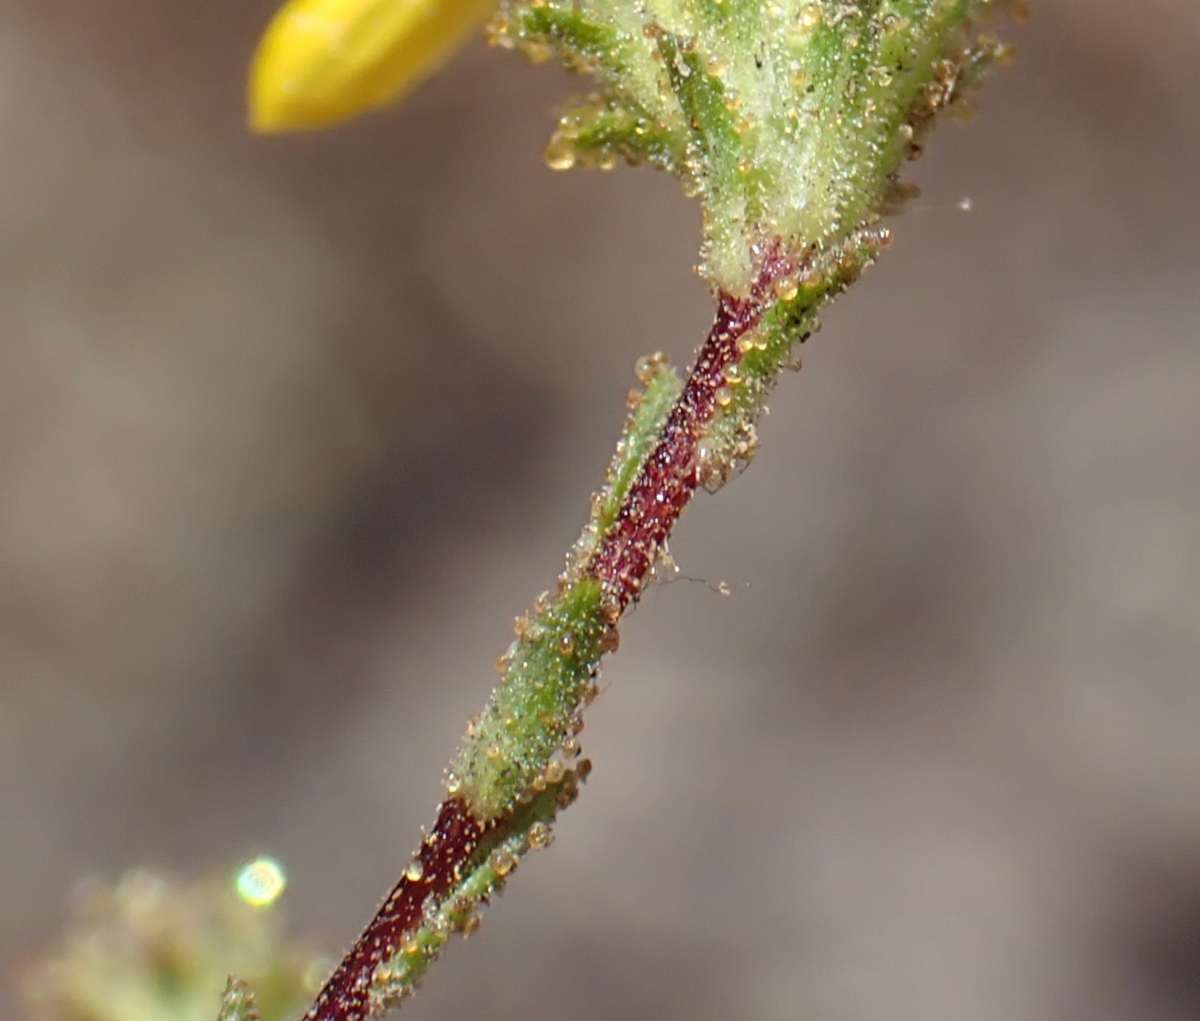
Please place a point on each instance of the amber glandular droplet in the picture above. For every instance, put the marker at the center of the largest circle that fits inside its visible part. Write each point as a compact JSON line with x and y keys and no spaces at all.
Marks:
{"x":559,"y":154}
{"x":648,"y":365}
{"x":610,"y":641}
{"x":502,"y":861}
{"x":539,"y":836}
{"x":786,"y":289}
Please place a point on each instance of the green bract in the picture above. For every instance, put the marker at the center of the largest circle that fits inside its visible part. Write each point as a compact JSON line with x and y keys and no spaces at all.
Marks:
{"x":788,"y":119}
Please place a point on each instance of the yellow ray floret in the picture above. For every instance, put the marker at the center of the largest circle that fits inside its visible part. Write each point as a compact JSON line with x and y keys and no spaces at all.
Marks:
{"x":323,"y":61}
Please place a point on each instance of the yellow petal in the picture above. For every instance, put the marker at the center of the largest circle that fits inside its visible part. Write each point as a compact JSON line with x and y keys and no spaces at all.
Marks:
{"x":323,"y":61}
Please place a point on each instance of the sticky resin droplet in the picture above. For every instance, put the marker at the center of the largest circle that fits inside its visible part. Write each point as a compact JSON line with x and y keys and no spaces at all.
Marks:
{"x":559,"y":154}
{"x":502,"y":860}
{"x":786,"y":289}
{"x":453,"y":782}
{"x":732,"y":373}
{"x":723,"y":397}
{"x":554,"y":771}
{"x":493,"y":751}
{"x":261,"y":882}
{"x":539,"y":836}
{"x":415,"y":871}
{"x":566,"y":643}
{"x":610,"y":641}
{"x":647,"y":366}
{"x":536,"y":51}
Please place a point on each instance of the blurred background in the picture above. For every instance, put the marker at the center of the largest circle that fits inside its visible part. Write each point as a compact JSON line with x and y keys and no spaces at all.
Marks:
{"x":290,"y":428}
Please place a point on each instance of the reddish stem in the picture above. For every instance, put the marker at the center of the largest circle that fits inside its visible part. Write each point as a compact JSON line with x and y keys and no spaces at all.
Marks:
{"x":667,"y":480}
{"x":662,"y":488}
{"x":345,"y":995}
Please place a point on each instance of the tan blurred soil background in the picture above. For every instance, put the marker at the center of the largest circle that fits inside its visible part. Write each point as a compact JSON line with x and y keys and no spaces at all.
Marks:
{"x":291,"y":428}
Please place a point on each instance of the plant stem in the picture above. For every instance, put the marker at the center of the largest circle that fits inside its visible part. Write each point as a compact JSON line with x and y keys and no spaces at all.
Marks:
{"x":790,"y":221}
{"x":518,"y":764}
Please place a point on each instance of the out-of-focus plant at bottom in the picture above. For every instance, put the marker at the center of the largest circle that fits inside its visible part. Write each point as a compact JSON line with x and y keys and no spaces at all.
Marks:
{"x":151,"y":948}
